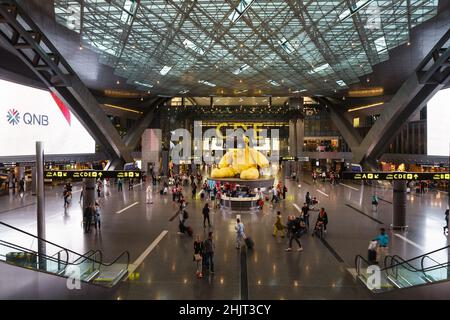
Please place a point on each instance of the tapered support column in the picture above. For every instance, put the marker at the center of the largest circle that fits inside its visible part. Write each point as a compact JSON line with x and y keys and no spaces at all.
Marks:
{"x":399,"y":205}
{"x":40,"y":193}
{"x":88,"y":192}
{"x":292,"y":138}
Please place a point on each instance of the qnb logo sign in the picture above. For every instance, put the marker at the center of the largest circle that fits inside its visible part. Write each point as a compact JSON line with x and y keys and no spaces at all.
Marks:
{"x":13,"y":117}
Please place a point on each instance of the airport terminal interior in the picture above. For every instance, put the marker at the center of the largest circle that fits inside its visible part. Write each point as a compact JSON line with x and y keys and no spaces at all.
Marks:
{"x":224,"y":150}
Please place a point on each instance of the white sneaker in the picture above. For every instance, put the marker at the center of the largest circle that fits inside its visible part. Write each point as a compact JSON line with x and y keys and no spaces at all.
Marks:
{"x":300,"y":249}
{"x":288,"y":249}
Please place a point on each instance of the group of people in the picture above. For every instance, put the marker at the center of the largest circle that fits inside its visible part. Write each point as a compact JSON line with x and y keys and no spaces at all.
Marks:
{"x":91,"y":216}
{"x":298,"y":226}
{"x":279,"y":191}
{"x":331,"y":176}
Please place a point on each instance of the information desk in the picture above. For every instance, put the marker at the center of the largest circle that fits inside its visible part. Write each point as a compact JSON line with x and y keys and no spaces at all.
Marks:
{"x":239,"y":203}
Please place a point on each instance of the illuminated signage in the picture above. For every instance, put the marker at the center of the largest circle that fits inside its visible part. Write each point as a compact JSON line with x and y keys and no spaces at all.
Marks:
{"x":396,"y":176}
{"x":66,"y":174}
{"x":28,"y":115}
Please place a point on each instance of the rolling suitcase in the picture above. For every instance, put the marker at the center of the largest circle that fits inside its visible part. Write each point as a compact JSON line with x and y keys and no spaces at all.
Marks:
{"x":249,"y":243}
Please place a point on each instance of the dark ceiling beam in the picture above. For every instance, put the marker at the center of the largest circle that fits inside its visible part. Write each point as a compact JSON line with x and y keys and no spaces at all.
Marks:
{"x":135,"y":133}
{"x":351,"y":136}
{"x":415,"y":92}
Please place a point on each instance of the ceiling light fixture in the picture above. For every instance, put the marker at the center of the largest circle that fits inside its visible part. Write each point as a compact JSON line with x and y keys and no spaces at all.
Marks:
{"x":365,"y":107}
{"x":143,"y":84}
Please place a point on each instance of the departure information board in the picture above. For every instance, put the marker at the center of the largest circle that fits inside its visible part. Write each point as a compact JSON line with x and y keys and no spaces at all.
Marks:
{"x":396,"y":175}
{"x":66,"y":174}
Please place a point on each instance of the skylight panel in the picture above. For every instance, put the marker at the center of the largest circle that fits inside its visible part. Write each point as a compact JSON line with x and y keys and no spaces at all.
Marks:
{"x":165,"y":70}
{"x":380,"y":44}
{"x":240,"y":9}
{"x":341,"y":83}
{"x":241,"y":69}
{"x":299,"y":91}
{"x":130,"y":6}
{"x":190,"y":45}
{"x":286,"y":45}
{"x":184,"y":91}
{"x":354,"y":9}
{"x":206,"y":83}
{"x":319,"y":68}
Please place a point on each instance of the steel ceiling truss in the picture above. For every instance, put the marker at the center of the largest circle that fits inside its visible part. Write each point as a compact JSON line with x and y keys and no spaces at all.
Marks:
{"x":431,"y":75}
{"x":23,"y":36}
{"x":307,"y":44}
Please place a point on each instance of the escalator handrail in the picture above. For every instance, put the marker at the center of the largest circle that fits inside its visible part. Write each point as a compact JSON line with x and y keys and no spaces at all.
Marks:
{"x":403,"y":261}
{"x":88,"y":254}
{"x":17,"y":247}
{"x":71,"y":251}
{"x":415,"y":258}
{"x":356,"y":262}
{"x":438,"y":265}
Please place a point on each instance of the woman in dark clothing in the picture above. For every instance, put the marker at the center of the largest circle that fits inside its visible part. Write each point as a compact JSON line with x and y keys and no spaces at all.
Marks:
{"x":206,"y":215}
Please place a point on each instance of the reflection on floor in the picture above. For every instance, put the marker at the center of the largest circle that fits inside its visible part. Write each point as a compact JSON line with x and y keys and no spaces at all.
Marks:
{"x":164,"y":267}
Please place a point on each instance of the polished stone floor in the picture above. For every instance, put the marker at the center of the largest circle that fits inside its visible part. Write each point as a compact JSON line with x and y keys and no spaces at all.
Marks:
{"x":167,"y":271}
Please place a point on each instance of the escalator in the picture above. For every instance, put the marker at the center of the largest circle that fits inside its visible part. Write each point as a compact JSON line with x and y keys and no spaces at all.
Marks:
{"x":20,"y":248}
{"x":399,"y":276}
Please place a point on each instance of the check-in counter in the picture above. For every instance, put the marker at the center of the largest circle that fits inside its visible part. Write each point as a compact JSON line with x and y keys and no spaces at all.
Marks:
{"x":239,"y":203}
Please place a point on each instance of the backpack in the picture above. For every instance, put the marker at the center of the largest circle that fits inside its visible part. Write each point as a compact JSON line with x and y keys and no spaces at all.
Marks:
{"x":185,"y":214}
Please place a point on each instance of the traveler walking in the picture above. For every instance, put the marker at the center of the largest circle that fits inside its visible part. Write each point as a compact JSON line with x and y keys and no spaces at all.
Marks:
{"x":375,"y":203}
{"x":205,"y":213}
{"x":284,"y":192}
{"x":308,"y":198}
{"x":119,"y":184}
{"x":240,"y":235}
{"x":305,"y":213}
{"x":22,"y":187}
{"x":130,"y":184}
{"x":295,"y":231}
{"x":383,"y":243}
{"x":99,"y":187}
{"x":321,"y":224}
{"x":198,"y":256}
{"x":208,"y":249}
{"x":278,"y":226}
{"x":97,"y":216}
{"x":88,"y":213}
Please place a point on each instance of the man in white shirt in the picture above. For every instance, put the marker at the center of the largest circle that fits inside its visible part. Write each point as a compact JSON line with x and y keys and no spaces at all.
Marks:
{"x":240,"y":235}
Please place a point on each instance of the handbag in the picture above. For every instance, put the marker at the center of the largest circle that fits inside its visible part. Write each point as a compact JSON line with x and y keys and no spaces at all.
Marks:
{"x":197,"y":257}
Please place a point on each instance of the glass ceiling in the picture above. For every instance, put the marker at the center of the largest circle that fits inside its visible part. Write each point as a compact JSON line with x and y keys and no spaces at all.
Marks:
{"x":211,"y":47}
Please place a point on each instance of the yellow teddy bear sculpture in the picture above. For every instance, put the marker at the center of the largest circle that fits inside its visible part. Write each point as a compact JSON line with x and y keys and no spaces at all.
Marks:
{"x":242,"y":162}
